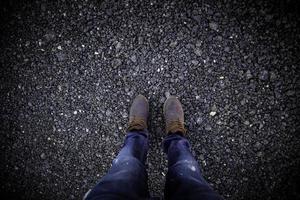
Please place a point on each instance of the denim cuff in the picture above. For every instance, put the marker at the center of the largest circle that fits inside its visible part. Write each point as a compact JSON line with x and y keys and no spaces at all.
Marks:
{"x":144,"y":132}
{"x":174,"y":137}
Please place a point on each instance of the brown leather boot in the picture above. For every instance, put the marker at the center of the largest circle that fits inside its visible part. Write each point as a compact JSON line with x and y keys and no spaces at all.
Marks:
{"x":138,"y":115}
{"x":174,"y":116}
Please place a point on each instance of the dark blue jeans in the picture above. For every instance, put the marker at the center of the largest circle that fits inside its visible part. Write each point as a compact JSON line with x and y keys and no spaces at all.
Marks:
{"x":127,"y":178}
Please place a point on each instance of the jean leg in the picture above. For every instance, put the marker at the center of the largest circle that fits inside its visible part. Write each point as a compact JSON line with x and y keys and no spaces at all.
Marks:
{"x":127,"y":178}
{"x":184,"y":179}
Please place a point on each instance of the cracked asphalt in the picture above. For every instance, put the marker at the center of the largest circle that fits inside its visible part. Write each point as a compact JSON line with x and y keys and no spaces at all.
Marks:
{"x":69,"y":71}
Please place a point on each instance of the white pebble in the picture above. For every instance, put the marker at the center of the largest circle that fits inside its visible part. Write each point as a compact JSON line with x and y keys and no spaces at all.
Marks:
{"x":212,"y":113}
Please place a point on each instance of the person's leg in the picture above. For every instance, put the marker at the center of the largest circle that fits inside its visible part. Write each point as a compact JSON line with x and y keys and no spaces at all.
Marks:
{"x":184,"y":179}
{"x":127,"y":178}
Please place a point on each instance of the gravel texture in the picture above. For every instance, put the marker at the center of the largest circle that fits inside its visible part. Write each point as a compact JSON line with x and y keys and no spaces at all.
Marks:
{"x":69,"y":71}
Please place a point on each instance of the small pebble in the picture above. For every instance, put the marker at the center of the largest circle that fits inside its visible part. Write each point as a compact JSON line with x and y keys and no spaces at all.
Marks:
{"x":212,"y":113}
{"x":213,"y":26}
{"x":43,"y":156}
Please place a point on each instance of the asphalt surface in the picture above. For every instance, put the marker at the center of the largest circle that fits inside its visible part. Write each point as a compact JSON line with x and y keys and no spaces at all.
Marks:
{"x":69,"y":72}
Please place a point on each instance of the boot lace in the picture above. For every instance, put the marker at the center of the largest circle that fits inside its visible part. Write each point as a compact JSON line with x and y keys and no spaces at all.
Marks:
{"x":137,"y":123}
{"x":175,"y":126}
